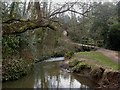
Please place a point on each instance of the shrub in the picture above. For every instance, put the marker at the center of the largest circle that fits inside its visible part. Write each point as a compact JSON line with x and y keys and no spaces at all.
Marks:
{"x":10,"y":45}
{"x":69,"y":55}
{"x":73,"y":62}
{"x":80,"y":66}
{"x":14,"y":68}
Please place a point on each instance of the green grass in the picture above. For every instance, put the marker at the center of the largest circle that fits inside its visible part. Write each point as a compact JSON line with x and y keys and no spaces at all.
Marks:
{"x":100,"y":59}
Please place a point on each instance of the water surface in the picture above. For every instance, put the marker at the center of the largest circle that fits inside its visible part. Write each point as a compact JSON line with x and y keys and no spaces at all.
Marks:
{"x":49,"y":75}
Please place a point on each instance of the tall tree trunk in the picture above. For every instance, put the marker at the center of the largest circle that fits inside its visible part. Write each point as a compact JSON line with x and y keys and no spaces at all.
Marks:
{"x":38,"y":9}
{"x":12,"y":10}
{"x":24,"y":10}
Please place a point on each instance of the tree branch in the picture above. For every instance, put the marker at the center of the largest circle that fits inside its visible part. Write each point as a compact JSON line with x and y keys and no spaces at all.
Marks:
{"x":23,"y":25}
{"x":19,"y":26}
{"x":69,"y":8}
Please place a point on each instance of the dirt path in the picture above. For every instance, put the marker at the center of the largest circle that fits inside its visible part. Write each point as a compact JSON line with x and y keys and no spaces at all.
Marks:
{"x":114,"y":55}
{"x":111,"y":54}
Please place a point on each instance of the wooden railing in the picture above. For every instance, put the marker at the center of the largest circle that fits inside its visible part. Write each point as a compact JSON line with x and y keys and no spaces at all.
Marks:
{"x":98,"y":43}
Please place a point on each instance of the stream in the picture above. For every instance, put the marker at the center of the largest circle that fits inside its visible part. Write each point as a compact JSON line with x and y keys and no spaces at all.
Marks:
{"x":48,"y":74}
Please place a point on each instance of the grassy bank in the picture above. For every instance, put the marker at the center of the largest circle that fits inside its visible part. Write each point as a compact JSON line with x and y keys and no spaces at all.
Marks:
{"x":97,"y":59}
{"x":97,"y":67}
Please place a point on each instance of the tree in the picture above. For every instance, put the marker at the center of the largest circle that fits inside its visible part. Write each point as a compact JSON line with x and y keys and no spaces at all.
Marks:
{"x":118,"y":9}
{"x":114,"y":37}
{"x":100,"y":16}
{"x":14,"y":25}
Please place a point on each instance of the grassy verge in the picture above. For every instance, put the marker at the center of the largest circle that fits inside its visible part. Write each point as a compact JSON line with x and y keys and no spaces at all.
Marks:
{"x":97,"y":58}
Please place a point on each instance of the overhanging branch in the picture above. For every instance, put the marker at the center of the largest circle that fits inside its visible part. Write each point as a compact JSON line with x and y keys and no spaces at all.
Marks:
{"x":21,"y":26}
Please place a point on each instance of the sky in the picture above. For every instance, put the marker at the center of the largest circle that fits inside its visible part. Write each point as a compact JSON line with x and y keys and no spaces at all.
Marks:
{"x":83,"y":0}
{"x":62,"y":1}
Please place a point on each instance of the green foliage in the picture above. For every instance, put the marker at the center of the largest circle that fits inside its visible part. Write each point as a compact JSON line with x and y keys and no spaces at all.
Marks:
{"x":114,"y":37}
{"x":101,"y":19}
{"x":80,"y":66}
{"x":73,"y":62}
{"x":69,"y":54}
{"x":118,"y":9}
{"x":10,"y":45}
{"x":74,"y":36}
{"x":14,"y":69}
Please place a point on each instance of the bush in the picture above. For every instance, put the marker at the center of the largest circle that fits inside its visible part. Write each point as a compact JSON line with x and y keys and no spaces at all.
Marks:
{"x":14,"y":68}
{"x":73,"y":62}
{"x":113,"y":41}
{"x":69,"y":55}
{"x":80,"y":66}
{"x":10,"y":45}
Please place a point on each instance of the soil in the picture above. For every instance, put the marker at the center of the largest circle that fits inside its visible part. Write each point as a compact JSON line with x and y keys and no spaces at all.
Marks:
{"x":109,"y":80}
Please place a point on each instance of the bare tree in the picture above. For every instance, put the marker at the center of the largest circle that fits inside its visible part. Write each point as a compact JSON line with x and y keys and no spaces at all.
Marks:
{"x":18,"y":26}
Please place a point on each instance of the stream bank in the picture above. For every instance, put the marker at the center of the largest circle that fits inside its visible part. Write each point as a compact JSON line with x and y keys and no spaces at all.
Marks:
{"x":15,"y":67}
{"x":48,"y":74}
{"x":106,"y":79}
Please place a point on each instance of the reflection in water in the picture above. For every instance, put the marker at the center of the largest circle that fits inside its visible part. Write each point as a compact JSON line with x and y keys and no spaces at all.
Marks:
{"x":49,"y":75}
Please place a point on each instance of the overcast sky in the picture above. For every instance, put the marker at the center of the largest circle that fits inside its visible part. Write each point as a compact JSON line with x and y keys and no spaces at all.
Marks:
{"x":81,"y":0}
{"x":62,"y":1}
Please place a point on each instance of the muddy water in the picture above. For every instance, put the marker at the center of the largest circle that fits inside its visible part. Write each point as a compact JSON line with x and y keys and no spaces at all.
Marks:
{"x":49,"y":75}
